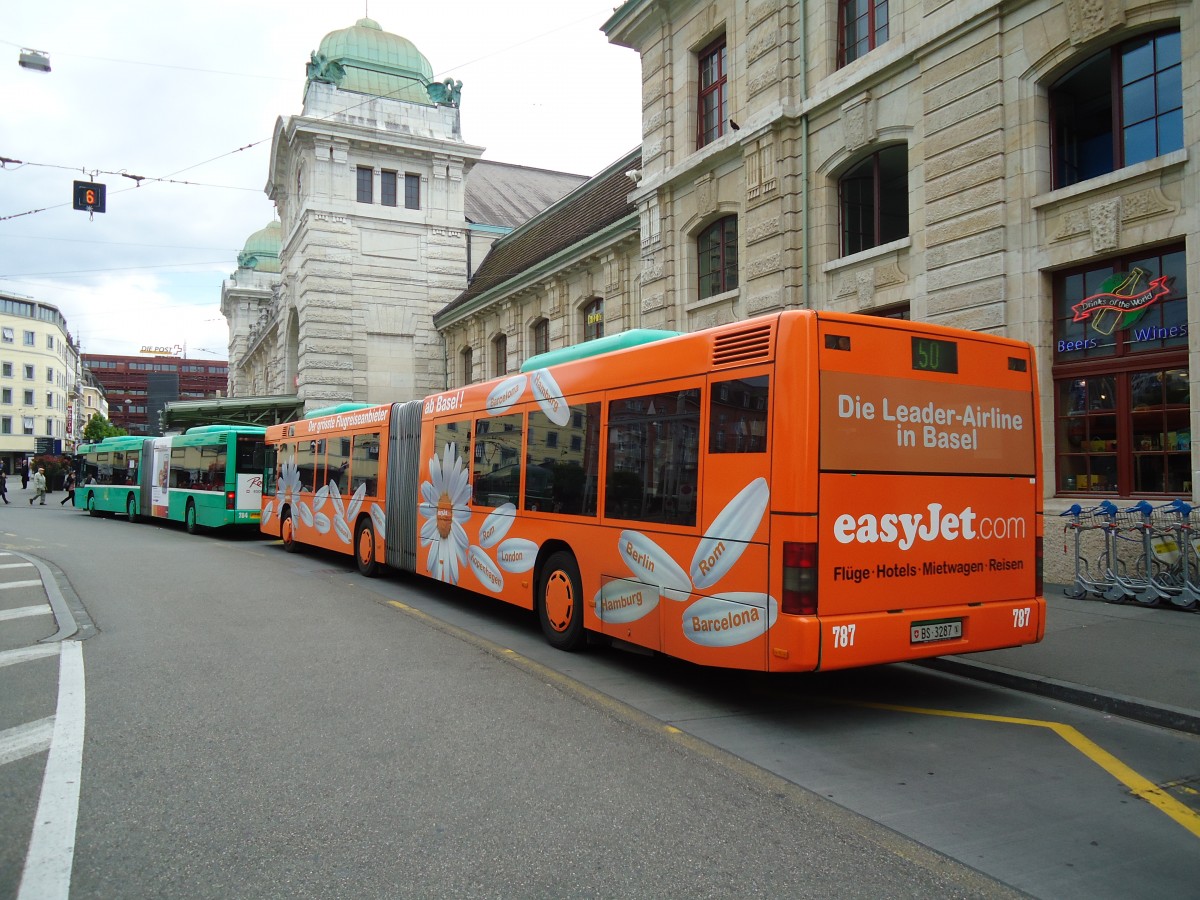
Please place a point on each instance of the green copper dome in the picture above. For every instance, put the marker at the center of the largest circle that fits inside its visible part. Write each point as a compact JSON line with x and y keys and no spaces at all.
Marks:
{"x":368,"y":60}
{"x":261,"y":252}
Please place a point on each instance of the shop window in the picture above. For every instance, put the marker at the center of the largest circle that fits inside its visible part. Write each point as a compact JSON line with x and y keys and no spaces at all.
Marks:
{"x":873,"y":200}
{"x":717,"y":257}
{"x":593,"y":320}
{"x":710,"y":121}
{"x":1119,"y":107}
{"x":1122,"y":401}
{"x":862,"y":26}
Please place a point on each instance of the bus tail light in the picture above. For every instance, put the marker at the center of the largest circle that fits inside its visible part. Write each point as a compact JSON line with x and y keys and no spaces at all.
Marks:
{"x":231,"y":499}
{"x":1039,"y":562}
{"x":800,"y":578}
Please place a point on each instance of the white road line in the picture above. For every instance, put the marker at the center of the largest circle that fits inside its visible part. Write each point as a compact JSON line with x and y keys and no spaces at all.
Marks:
{"x":47,"y":874}
{"x":22,"y":611}
{"x":24,"y":654}
{"x":16,"y":565}
{"x":26,"y":740}
{"x":16,"y":584}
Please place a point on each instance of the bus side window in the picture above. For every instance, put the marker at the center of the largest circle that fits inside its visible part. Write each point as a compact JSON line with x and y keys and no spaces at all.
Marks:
{"x":653,"y":457}
{"x":269,"y":455}
{"x":364,"y":463}
{"x":737,"y":415}
{"x":562,"y":462}
{"x":496,"y":472}
{"x":337,"y":461}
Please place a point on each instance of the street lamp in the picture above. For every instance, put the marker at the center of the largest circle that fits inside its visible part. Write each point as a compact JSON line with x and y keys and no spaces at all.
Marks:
{"x":34,"y":59}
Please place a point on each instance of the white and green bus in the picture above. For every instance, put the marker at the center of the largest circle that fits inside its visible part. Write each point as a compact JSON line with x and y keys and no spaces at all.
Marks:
{"x":208,"y":477}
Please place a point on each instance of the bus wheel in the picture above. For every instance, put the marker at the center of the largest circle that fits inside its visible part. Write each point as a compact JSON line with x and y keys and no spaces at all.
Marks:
{"x":287,"y":533}
{"x":91,"y":505}
{"x":131,"y":508}
{"x":364,"y":549}
{"x":560,"y":602}
{"x":189,"y":518}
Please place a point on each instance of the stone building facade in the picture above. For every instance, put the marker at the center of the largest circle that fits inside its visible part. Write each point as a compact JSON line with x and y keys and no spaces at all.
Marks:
{"x":1018,"y":168}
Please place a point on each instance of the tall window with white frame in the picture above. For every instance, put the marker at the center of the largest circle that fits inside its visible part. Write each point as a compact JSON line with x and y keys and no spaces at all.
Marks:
{"x":862,"y":26}
{"x":717,"y":257}
{"x":873,"y":200}
{"x":499,"y":355}
{"x":1122,"y":106}
{"x":366,"y":184}
{"x":711,"y":118}
{"x":387,"y":188}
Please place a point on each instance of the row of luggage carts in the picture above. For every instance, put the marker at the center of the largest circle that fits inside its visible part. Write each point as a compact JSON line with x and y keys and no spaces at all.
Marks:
{"x":1144,"y":554}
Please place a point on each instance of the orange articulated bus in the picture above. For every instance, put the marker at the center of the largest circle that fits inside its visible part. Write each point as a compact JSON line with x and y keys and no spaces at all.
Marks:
{"x":794,"y":492}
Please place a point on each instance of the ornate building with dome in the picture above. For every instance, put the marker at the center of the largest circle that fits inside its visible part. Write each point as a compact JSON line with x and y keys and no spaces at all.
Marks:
{"x":383,"y":208}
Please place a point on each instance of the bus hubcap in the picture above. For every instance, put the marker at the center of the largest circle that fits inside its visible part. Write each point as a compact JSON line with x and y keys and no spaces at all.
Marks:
{"x":560,"y":604}
{"x":366,"y":551}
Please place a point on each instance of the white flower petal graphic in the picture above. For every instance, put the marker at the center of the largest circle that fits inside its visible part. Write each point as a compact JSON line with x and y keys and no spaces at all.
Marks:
{"x":356,"y":502}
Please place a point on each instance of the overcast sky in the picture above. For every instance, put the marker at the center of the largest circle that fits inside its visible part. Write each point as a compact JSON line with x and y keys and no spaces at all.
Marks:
{"x":190,"y":91}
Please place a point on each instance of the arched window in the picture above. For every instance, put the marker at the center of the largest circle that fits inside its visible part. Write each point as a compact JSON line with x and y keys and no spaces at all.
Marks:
{"x":466,"y":365}
{"x":593,"y":320}
{"x":499,"y":355}
{"x":1120,"y":107}
{"x":540,"y":334}
{"x":717,"y":257}
{"x":873,"y":197}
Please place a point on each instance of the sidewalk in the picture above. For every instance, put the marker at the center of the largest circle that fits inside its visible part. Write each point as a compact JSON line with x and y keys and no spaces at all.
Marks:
{"x":1133,"y":661}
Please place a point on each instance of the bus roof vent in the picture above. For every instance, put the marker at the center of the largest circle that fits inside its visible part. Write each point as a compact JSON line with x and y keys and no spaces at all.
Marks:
{"x":746,"y":345}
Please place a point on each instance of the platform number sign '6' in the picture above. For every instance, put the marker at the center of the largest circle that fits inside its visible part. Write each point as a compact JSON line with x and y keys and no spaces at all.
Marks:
{"x":89,"y":196}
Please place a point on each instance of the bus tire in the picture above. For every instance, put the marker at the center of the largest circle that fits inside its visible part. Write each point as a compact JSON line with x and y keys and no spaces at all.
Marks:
{"x":131,"y":508}
{"x":364,"y":548}
{"x":287,"y":532}
{"x":91,"y":505}
{"x":560,"y":602}
{"x":189,"y":517}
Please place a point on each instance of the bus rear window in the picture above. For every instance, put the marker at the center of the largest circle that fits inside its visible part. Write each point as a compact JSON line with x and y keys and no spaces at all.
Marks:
{"x":737,"y":418}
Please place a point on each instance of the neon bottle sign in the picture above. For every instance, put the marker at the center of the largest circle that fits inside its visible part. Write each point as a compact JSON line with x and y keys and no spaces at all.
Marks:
{"x":1122,"y":301}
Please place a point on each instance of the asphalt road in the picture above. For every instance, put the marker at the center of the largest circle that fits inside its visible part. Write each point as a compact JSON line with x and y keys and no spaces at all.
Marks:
{"x":260,"y":724}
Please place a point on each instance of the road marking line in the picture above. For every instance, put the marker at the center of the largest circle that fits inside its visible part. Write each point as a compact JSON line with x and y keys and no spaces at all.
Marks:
{"x":26,"y":740}
{"x":22,"y":611}
{"x":16,"y":565}
{"x":1139,"y":785}
{"x":8,"y":585}
{"x":48,"y":863}
{"x":24,"y":654}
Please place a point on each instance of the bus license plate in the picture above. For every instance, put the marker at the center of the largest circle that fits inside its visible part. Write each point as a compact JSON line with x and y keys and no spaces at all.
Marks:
{"x":927,"y":632}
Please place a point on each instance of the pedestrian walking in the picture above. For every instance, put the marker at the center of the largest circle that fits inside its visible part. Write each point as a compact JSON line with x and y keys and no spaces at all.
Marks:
{"x":39,"y":487}
{"x":24,"y":474}
{"x":69,"y":487}
{"x":3,"y":485}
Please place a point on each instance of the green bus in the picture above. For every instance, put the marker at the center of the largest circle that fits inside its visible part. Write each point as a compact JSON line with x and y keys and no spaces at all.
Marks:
{"x":208,"y":477}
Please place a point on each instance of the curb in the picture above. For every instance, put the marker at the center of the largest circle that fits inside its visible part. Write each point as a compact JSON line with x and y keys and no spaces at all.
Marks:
{"x":1163,"y":716}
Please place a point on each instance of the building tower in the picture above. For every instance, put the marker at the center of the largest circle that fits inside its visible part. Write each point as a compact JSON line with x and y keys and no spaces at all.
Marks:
{"x":369,"y":184}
